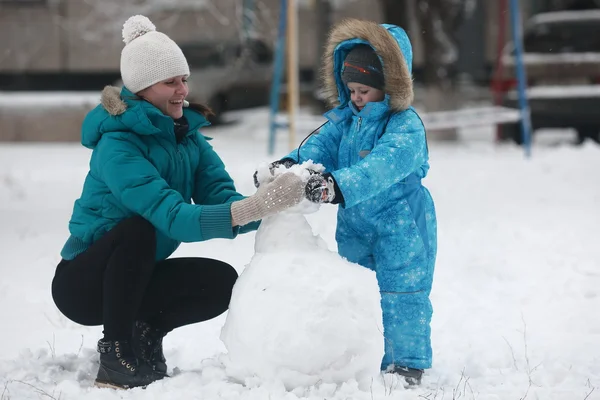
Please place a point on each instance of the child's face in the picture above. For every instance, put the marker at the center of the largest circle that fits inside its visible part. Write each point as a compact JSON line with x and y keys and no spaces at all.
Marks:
{"x":167,"y":95}
{"x":362,"y":94}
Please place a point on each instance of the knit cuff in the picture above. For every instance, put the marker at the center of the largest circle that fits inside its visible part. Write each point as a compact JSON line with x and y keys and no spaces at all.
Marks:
{"x":244,"y":212}
{"x":215,"y":222}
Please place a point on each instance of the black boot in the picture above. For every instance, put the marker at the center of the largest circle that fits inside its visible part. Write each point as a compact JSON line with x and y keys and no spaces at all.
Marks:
{"x":120,"y":368}
{"x":147,"y":345}
{"x":411,"y":375}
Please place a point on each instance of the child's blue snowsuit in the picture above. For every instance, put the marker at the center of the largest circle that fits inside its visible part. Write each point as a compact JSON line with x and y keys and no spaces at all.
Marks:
{"x":378,"y":157}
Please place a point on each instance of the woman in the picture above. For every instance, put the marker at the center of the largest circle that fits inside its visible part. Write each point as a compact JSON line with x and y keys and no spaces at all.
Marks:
{"x":148,"y":163}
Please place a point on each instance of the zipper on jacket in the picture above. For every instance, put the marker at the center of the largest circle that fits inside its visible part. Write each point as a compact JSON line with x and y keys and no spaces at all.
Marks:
{"x":353,"y":146}
{"x":179,"y":151}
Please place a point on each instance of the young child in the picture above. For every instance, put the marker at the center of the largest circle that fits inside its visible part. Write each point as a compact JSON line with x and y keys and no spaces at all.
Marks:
{"x":375,"y":154}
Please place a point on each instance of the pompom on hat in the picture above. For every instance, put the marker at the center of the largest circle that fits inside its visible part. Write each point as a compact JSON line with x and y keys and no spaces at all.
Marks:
{"x":149,"y":56}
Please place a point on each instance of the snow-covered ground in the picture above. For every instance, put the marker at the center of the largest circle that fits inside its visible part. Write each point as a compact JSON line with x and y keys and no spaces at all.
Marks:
{"x":516,"y":293}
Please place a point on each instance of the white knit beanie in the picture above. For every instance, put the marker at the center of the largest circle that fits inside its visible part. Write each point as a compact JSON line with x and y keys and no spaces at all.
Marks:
{"x":148,"y":56}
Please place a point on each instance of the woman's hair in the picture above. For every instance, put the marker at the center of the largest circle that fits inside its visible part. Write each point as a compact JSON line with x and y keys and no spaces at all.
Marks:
{"x":203,"y":109}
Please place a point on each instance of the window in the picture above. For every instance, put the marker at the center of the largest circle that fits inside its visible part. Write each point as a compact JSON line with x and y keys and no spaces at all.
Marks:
{"x":22,"y":2}
{"x":262,"y":54}
{"x":203,"y":55}
{"x":564,"y":37}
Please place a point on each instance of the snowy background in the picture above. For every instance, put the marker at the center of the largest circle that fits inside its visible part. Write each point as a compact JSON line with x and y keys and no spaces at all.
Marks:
{"x":516,"y":292}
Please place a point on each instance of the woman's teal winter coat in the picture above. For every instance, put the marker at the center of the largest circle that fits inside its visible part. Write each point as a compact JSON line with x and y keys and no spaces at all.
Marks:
{"x":138,"y":168}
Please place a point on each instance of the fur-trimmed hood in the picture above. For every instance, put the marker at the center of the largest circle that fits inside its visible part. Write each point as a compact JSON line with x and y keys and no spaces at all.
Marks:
{"x":392,"y":45}
{"x":111,"y":101}
{"x":114,"y":104}
{"x":122,"y":111}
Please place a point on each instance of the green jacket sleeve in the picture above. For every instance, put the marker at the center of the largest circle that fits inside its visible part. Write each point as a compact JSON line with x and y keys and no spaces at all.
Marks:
{"x":213,"y":185}
{"x":136,"y":183}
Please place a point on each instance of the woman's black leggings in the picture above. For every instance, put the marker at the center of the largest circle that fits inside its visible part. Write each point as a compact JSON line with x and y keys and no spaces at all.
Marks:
{"x":117,"y":281}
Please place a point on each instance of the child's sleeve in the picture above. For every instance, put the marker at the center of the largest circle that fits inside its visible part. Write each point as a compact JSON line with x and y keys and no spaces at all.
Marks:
{"x":322,"y":147}
{"x":401,"y":150}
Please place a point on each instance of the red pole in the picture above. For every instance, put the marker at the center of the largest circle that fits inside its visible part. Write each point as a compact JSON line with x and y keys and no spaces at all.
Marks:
{"x":499,"y":70}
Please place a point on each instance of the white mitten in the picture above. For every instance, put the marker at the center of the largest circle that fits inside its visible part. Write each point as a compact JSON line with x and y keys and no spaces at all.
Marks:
{"x":283,"y":192}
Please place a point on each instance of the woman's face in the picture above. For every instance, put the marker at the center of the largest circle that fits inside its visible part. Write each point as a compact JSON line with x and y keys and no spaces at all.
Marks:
{"x":167,"y":95}
{"x":362,"y":94}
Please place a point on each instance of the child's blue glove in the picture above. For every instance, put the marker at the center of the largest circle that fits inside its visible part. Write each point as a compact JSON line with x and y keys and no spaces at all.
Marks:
{"x":287,"y":162}
{"x":322,"y":188}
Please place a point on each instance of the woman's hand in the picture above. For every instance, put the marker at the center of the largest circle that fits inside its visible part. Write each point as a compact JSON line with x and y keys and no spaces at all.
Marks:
{"x":283,"y":192}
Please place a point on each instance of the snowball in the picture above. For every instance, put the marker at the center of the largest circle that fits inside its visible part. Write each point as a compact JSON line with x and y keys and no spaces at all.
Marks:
{"x":136,"y":26}
{"x":299,"y":313}
{"x":302,"y":170}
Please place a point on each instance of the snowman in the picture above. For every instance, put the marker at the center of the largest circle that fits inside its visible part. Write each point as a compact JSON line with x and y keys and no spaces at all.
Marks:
{"x":299,"y":313}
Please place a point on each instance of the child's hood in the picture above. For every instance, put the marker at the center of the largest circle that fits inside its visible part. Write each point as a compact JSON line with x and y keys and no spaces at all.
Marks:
{"x":392,"y":45}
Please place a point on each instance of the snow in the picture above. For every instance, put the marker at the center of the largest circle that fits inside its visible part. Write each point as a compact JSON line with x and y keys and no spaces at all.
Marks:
{"x":480,"y":116}
{"x":553,"y":58}
{"x":560,"y":91}
{"x":515,"y":295}
{"x":36,"y":100}
{"x":564,"y":16}
{"x":300,"y":314}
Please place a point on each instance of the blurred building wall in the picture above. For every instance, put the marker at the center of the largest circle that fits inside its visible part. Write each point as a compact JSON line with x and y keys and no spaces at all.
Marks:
{"x":85,"y":36}
{"x":79,"y":36}
{"x":55,"y":37}
{"x":30,"y":38}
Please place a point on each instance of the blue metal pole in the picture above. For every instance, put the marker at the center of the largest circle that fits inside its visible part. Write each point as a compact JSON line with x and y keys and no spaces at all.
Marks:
{"x":277,"y":74}
{"x":517,"y":34}
{"x":248,"y":11}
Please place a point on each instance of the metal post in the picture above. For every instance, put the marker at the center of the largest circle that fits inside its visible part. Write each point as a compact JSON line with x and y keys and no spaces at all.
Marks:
{"x":277,"y":74}
{"x":322,"y":14}
{"x":292,"y":71}
{"x":517,"y":34}
{"x":499,"y":70}
{"x":248,"y":18}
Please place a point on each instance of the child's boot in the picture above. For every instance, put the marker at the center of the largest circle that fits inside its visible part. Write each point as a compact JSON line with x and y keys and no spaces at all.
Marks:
{"x":411,"y":375}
